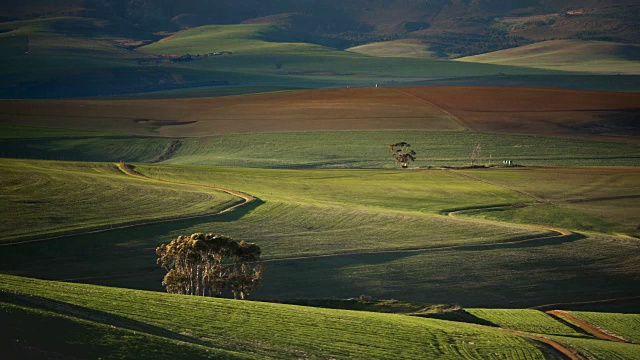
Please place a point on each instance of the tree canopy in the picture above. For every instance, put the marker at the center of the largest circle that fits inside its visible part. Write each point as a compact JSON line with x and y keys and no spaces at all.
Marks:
{"x":401,"y":152}
{"x":209,"y":264}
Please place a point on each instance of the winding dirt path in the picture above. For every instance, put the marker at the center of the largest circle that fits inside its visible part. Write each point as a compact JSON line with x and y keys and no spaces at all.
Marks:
{"x":589,"y":328}
{"x":246,"y":197}
{"x":564,"y":351}
{"x":567,"y":352}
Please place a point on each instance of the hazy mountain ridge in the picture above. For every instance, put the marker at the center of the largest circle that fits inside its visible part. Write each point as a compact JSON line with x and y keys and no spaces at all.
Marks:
{"x":463,"y":27}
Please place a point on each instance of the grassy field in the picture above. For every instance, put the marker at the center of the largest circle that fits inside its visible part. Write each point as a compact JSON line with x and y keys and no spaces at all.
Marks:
{"x":352,"y":149}
{"x":67,"y":57}
{"x":532,"y":321}
{"x":601,"y":349}
{"x":585,"y":199}
{"x":261,"y":330}
{"x":308,"y":150}
{"x":568,"y":55}
{"x":260,"y":49}
{"x":537,"y":322}
{"x":46,"y":333}
{"x":411,"y":48}
{"x":625,"y":325}
{"x":43,"y":197}
{"x":359,"y":232}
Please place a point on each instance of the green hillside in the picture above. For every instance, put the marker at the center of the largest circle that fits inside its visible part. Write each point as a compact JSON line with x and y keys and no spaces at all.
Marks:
{"x":62,"y":57}
{"x":537,"y":322}
{"x":601,"y":349}
{"x":253,"y":51}
{"x":532,"y":321}
{"x":342,"y":233}
{"x":624,"y":325}
{"x":411,"y":48}
{"x":306,"y":150}
{"x":252,"y":329}
{"x":45,"y":197}
{"x":568,"y":55}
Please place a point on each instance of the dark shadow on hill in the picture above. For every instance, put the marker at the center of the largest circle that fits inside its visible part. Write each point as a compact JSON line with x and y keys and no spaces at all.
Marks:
{"x":575,"y":328}
{"x":616,"y":121}
{"x":37,"y":302}
{"x":459,"y":315}
{"x":524,"y":243}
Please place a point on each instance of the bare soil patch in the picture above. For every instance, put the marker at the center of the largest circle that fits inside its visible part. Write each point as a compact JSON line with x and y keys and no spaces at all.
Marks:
{"x":540,"y":111}
{"x":610,"y":116}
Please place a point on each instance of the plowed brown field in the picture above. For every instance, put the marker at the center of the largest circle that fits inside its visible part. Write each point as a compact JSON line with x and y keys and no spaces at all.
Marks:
{"x":539,"y":111}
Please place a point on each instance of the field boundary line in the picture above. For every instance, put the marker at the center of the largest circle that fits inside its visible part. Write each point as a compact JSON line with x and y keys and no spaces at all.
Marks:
{"x":440,"y":108}
{"x":124,"y":168}
{"x":586,"y":326}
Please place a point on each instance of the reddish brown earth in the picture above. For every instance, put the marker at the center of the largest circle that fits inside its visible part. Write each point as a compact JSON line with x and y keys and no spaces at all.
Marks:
{"x":538,"y":111}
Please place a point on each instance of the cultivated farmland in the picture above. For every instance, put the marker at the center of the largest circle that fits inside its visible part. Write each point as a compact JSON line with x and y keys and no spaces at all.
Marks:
{"x":513,"y":234}
{"x":262,"y":330}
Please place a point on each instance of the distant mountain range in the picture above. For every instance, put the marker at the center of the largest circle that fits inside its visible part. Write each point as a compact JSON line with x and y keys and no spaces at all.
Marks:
{"x":459,"y":27}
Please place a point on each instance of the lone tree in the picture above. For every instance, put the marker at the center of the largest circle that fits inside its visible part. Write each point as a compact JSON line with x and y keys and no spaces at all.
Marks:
{"x":207,"y":264}
{"x":400,"y":151}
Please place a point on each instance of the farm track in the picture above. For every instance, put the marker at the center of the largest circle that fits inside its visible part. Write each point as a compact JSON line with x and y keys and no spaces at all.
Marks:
{"x":565,"y":351}
{"x":124,"y":168}
{"x":585,"y":326}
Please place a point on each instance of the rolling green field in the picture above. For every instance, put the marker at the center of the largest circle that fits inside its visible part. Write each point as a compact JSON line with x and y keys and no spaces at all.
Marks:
{"x":601,"y":349}
{"x":532,"y":321}
{"x":254,"y":329}
{"x":537,"y":322}
{"x":359,"y":232}
{"x":468,"y":252}
{"x":398,"y":48}
{"x":625,"y":325}
{"x":585,"y":199}
{"x":255,"y":52}
{"x":568,"y":55}
{"x":44,"y":197}
{"x":330,"y":149}
{"x":63,"y":57}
